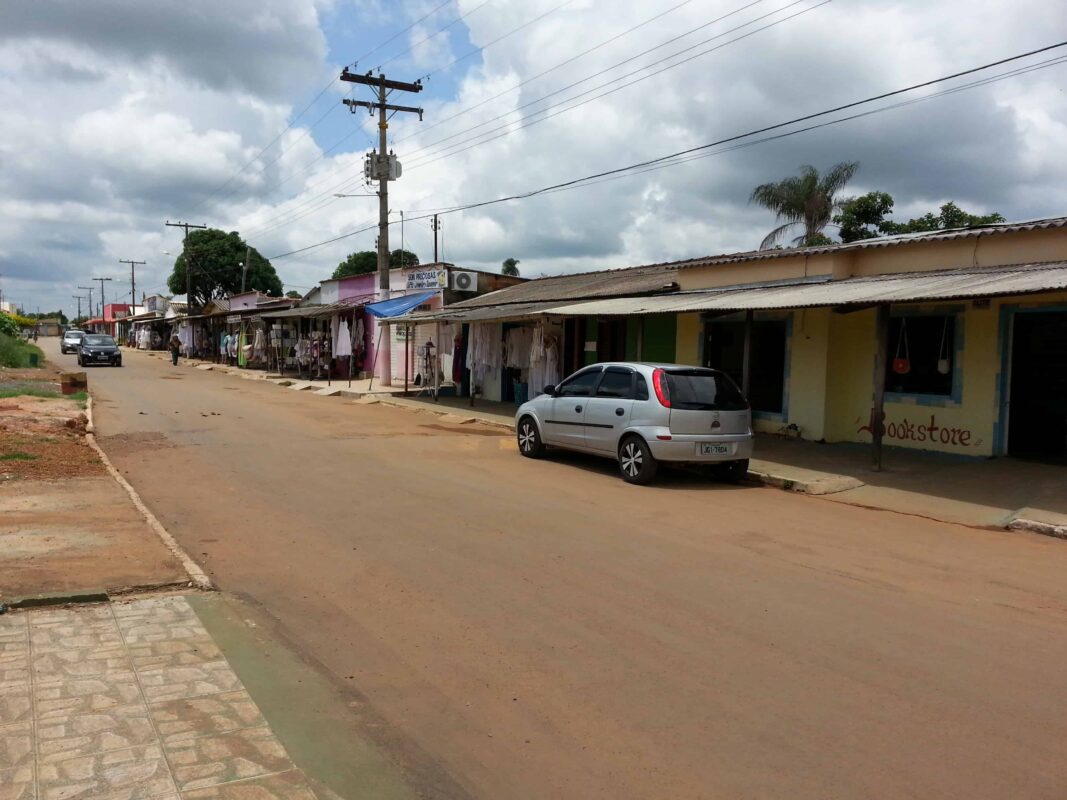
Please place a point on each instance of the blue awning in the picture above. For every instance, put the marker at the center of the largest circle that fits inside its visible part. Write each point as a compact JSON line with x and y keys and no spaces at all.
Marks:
{"x":396,"y":306}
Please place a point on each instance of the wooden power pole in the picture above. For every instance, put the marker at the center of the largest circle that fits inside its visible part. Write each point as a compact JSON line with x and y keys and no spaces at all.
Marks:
{"x":383,"y":167}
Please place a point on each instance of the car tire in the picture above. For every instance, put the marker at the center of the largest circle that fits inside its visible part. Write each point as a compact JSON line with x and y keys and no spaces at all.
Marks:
{"x":733,"y":471}
{"x":636,"y":462}
{"x":528,"y":438}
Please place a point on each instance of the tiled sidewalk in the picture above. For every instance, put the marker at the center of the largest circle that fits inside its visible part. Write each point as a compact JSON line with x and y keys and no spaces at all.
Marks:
{"x":125,"y":701}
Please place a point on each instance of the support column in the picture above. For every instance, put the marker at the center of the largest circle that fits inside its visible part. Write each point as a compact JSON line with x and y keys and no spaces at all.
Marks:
{"x":881,"y":353}
{"x":746,"y":356}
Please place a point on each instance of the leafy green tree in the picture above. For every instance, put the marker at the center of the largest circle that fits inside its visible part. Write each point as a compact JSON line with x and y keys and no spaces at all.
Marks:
{"x":808,"y":199}
{"x":367,"y":261}
{"x":294,"y":294}
{"x":864,"y":217}
{"x":216,"y":258}
{"x":510,"y":267}
{"x":357,"y":264}
{"x":59,"y":315}
{"x":403,"y":258}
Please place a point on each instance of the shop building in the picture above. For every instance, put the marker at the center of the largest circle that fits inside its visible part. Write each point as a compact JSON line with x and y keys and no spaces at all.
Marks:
{"x":958,"y":337}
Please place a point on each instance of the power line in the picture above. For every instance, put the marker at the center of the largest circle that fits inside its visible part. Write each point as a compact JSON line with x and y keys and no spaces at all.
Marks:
{"x":433,"y":35}
{"x":498,"y":95}
{"x":346,"y":182}
{"x":266,"y":147}
{"x":544,"y":115}
{"x":673,"y":157}
{"x":398,"y":34}
{"x":498,"y":39}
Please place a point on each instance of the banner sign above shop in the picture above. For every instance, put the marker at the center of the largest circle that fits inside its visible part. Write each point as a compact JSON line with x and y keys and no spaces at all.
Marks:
{"x":428,"y":279}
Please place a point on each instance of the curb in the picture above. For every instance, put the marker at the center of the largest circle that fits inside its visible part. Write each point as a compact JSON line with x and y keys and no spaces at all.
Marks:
{"x":196,"y":575}
{"x":57,"y":599}
{"x":831,"y":484}
{"x":1044,"y":528}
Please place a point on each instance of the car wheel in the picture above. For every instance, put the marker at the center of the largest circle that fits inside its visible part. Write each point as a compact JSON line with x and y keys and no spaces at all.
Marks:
{"x":636,"y":462}
{"x":529,"y":438}
{"x":733,"y":471}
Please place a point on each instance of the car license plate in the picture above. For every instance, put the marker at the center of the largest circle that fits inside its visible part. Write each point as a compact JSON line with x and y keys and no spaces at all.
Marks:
{"x":714,"y":449}
{"x":102,"y":357}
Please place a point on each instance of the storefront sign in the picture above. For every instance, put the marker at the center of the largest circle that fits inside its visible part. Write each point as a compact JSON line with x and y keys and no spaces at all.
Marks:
{"x":428,"y":279}
{"x":233,"y":319}
{"x":926,"y":432}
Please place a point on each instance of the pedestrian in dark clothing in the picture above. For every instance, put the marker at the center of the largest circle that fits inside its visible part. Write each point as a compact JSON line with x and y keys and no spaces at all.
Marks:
{"x":175,"y":347}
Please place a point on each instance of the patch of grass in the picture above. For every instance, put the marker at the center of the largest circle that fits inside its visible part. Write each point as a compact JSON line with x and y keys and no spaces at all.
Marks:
{"x":17,"y":457}
{"x":30,"y":391}
{"x":16,"y":353}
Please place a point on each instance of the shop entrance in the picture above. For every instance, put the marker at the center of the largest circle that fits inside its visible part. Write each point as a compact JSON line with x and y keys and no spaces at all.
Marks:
{"x":724,"y":346}
{"x":1037,"y":416}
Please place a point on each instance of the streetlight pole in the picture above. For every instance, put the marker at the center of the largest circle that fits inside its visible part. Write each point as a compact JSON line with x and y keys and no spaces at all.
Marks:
{"x":89,"y":289}
{"x":102,"y":295}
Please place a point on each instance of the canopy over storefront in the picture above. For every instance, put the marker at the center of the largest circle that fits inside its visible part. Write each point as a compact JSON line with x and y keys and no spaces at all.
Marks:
{"x":398,"y":305}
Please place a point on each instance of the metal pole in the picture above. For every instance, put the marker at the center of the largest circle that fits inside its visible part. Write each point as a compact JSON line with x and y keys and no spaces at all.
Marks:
{"x":244,"y":268}
{"x":437,"y":364}
{"x":407,"y":358}
{"x":881,"y":353}
{"x":746,"y":357}
{"x":436,"y":227}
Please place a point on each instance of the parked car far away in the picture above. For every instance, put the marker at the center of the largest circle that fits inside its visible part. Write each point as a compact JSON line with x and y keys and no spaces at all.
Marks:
{"x":70,"y":341}
{"x":641,"y":414}
{"x":96,"y":348}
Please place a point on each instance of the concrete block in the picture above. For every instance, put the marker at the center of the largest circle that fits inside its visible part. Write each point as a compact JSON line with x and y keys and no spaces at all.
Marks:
{"x":328,"y":391}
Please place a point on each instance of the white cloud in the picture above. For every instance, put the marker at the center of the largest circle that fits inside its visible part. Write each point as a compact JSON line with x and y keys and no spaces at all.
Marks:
{"x":124,"y":124}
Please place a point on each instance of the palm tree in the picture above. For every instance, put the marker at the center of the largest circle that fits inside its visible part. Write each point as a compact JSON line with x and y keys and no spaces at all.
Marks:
{"x":807,"y":199}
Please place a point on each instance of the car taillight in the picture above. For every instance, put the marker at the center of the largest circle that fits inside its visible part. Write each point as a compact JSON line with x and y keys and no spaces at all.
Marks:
{"x":659,"y":383}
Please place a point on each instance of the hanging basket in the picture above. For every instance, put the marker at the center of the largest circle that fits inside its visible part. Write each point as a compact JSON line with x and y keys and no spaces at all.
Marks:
{"x":902,"y":361}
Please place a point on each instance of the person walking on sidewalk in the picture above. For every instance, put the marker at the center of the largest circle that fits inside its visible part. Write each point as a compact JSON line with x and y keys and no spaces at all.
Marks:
{"x":175,"y":347}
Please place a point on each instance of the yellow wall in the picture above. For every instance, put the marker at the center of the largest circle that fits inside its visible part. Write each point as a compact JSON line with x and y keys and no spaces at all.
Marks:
{"x":687,"y":345}
{"x":974,"y":418}
{"x":808,"y":371}
{"x":991,"y":250}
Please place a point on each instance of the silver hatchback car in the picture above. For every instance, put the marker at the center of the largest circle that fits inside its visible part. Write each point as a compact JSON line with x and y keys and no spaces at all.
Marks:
{"x":641,"y":414}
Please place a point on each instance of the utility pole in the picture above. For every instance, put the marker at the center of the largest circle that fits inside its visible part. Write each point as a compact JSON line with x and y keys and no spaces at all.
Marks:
{"x":188,"y":264}
{"x":89,"y":289}
{"x":133,"y":280}
{"x":384,"y":167}
{"x":101,"y":294}
{"x":244,"y":267}
{"x":78,"y":297}
{"x":436,"y":227}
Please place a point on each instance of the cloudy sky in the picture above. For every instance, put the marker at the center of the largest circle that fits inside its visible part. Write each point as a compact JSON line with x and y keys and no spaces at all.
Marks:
{"x":122,"y":114}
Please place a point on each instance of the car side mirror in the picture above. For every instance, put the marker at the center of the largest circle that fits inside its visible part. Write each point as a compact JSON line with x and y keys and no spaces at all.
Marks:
{"x":550,"y":390}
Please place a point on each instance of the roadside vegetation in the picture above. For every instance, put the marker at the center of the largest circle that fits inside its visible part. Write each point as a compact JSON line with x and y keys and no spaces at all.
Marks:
{"x":16,"y":354}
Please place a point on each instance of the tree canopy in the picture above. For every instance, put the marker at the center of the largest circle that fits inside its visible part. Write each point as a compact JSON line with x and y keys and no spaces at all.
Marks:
{"x":808,"y":199}
{"x":864,"y":217}
{"x":216,"y":258}
{"x":367,"y":261}
{"x":510,"y":267}
{"x":294,"y":294}
{"x":59,"y":315}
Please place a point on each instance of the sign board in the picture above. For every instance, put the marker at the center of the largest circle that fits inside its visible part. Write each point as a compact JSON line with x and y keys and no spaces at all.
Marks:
{"x":153,"y":303}
{"x":428,"y":279}
{"x":233,"y":319}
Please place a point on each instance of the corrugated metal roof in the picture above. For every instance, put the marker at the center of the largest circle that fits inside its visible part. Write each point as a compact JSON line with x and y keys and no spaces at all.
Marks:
{"x":496,"y":313}
{"x":650,"y":278}
{"x":606,"y":283}
{"x":897,"y":288}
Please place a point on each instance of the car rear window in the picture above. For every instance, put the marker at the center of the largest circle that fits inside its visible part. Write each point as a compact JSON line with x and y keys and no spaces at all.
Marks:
{"x":99,"y":340}
{"x":704,"y":390}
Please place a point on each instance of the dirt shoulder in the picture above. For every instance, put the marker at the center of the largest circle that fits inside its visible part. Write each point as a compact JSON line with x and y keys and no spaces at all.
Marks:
{"x":66,"y":526}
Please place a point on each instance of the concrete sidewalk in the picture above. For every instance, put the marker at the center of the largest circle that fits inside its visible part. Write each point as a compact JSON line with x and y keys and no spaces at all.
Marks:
{"x":170,"y":697}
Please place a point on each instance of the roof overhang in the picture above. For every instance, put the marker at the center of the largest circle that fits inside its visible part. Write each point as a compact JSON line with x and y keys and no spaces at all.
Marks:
{"x":909,"y":287}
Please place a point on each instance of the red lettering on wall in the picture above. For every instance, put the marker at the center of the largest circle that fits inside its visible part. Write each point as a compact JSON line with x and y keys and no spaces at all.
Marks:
{"x":906,"y":430}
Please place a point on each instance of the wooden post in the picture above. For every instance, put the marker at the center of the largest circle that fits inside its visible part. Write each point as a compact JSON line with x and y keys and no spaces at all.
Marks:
{"x":746,"y":356}
{"x":881,"y":353}
{"x":407,"y":359}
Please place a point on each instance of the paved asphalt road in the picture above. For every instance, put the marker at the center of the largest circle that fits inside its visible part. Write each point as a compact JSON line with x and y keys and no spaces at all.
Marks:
{"x":517,"y":629}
